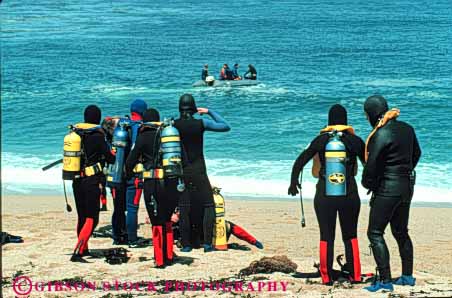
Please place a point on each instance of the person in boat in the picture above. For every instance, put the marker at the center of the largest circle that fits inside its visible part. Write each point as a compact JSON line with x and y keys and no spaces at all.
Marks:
{"x":205,"y":72}
{"x":235,"y":72}
{"x":223,"y":72}
{"x":251,"y":74}
{"x":226,"y":73}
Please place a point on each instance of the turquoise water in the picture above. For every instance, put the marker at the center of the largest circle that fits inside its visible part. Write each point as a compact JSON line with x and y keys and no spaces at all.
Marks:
{"x":59,"y":57}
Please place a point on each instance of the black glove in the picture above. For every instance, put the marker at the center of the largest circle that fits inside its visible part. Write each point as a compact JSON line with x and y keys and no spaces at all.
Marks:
{"x":293,"y":189}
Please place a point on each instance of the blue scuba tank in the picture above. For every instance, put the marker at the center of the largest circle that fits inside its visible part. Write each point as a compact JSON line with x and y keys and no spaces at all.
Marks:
{"x":119,"y":144}
{"x":335,"y":166}
{"x":172,"y":153}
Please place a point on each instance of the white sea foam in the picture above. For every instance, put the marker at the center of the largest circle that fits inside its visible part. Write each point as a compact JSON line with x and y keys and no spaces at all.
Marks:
{"x":23,"y":174}
{"x":428,"y":94}
{"x":113,"y":88}
{"x":121,"y":90}
{"x":246,"y":90}
{"x":406,"y":82}
{"x":248,"y":187}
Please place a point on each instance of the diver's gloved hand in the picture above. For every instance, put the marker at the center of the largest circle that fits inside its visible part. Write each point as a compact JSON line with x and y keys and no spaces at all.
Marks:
{"x":203,"y":111}
{"x":293,"y":189}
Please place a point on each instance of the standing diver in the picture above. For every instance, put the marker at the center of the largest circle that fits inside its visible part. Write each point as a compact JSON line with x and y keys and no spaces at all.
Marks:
{"x":160,"y":193}
{"x":251,"y":74}
{"x":205,"y":72}
{"x":198,"y":197}
{"x":87,"y":185}
{"x":127,"y":194}
{"x":336,"y":148}
{"x":392,"y":153}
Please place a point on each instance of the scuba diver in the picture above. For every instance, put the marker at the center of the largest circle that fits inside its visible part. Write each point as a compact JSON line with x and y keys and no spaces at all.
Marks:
{"x":231,"y":229}
{"x":222,"y":75}
{"x":160,"y":193}
{"x":87,"y":183}
{"x":197,"y":199}
{"x":335,"y":153}
{"x":126,"y":193}
{"x":205,"y":72}
{"x":226,"y":73}
{"x":392,"y":152}
{"x":251,"y":74}
{"x":235,"y":72}
{"x":117,"y":190}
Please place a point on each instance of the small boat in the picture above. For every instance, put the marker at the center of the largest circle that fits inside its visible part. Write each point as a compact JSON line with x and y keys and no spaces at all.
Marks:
{"x":211,"y":82}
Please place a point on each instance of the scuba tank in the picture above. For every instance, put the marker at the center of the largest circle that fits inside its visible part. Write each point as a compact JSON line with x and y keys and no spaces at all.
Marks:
{"x":119,"y":145}
{"x":72,"y":154}
{"x":171,"y":153}
{"x":73,"y":149}
{"x":335,"y":166}
{"x":220,"y":240}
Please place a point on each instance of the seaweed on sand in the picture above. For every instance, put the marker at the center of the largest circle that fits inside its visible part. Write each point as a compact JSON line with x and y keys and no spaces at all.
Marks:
{"x":270,"y":265}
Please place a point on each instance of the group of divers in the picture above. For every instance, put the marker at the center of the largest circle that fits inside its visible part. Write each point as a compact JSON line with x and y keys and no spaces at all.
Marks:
{"x":228,"y":77}
{"x":165,"y":160}
{"x":230,"y":74}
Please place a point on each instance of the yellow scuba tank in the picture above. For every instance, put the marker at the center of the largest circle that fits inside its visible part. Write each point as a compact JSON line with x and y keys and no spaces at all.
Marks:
{"x":220,"y":240}
{"x":73,"y":150}
{"x":72,"y":153}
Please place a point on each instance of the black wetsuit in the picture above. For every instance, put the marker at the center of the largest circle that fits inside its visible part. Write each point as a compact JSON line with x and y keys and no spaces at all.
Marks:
{"x":327,"y":207}
{"x":229,"y":74}
{"x":87,"y":190}
{"x":393,"y":154}
{"x":204,"y":74}
{"x":196,"y":203}
{"x":160,"y":195}
{"x":253,"y":73}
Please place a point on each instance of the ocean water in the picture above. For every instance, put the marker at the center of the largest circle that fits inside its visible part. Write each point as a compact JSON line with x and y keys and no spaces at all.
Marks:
{"x":59,"y":56}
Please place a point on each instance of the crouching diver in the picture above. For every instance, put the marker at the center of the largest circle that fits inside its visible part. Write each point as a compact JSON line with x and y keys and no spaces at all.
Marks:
{"x":160,"y":193}
{"x":231,"y":229}
{"x":392,"y":153}
{"x":198,"y":195}
{"x":337,"y":149}
{"x":87,"y":182}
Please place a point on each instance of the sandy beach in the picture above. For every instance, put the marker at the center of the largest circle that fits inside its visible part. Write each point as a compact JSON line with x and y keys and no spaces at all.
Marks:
{"x":49,"y":234}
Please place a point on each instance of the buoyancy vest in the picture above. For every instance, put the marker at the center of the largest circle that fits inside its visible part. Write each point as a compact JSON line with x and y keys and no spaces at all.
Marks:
{"x":389,"y":115}
{"x":316,"y":165}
